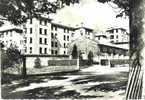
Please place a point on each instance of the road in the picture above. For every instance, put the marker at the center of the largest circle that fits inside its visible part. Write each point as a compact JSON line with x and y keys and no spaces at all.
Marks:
{"x":92,"y":82}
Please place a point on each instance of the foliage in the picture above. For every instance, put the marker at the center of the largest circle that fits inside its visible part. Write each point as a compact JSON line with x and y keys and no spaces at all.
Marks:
{"x":74,"y":52}
{"x":37,"y":63}
{"x":123,"y":4}
{"x":10,"y":57}
{"x":17,"y":11}
{"x":90,"y":57}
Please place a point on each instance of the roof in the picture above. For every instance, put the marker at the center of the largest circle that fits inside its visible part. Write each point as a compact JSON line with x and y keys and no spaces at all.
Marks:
{"x":12,"y":29}
{"x":89,"y":29}
{"x":113,"y":45}
{"x":115,"y":29}
{"x":121,"y":43}
{"x":63,"y":26}
{"x":41,"y":17}
{"x":101,"y":35}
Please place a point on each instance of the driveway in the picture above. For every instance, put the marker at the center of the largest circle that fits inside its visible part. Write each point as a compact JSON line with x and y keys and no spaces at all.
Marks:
{"x":93,"y":82}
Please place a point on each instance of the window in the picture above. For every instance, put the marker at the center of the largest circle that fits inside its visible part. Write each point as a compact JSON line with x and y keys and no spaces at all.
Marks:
{"x":116,"y":30}
{"x":30,"y":30}
{"x":55,"y":35}
{"x":45,"y":50}
{"x":52,"y":45}
{"x":99,"y":38}
{"x":40,"y":22}
{"x":111,"y":36}
{"x":56,"y":52}
{"x":117,"y":36}
{"x":72,"y":34}
{"x":52,"y":36}
{"x":45,"y":40}
{"x":64,"y":37}
{"x":25,"y":40}
{"x":45,"y":22}
{"x":52,"y":52}
{"x":52,"y":27}
{"x":40,"y":30}
{"x":40,"y":50}
{"x":26,"y":30}
{"x":11,"y":34}
{"x":30,"y":40}
{"x":64,"y":30}
{"x":56,"y":44}
{"x":6,"y":33}
{"x":26,"y":49}
{"x":30,"y":49}
{"x":64,"y":45}
{"x":31,"y":21}
{"x":68,"y":38}
{"x":67,"y":30}
{"x":45,"y":31}
{"x":55,"y":28}
{"x":40,"y":40}
{"x":64,"y":52}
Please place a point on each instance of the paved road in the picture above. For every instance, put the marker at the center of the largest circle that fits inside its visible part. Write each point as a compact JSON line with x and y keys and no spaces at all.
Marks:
{"x":93,"y":82}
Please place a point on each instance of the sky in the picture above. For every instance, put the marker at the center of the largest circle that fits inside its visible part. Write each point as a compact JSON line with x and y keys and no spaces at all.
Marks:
{"x":92,"y":14}
{"x":95,"y":15}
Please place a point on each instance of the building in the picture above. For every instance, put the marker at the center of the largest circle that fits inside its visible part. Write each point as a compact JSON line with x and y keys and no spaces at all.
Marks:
{"x":82,"y":31}
{"x":118,"y":35}
{"x":41,"y":36}
{"x":44,"y":37}
{"x":13,"y":37}
{"x":37,"y":36}
{"x":60,"y":38}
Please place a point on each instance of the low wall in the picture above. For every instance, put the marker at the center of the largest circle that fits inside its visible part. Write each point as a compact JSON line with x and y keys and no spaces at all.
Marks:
{"x":49,"y":64}
{"x":119,"y":62}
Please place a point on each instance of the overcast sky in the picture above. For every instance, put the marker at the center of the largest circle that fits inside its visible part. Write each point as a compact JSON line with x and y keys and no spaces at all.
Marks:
{"x":93,"y":15}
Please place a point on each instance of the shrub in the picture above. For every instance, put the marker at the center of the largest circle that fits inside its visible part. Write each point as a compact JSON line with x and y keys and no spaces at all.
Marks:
{"x":74,"y":52}
{"x":37,"y":63}
{"x":90,"y":58}
{"x":10,"y":57}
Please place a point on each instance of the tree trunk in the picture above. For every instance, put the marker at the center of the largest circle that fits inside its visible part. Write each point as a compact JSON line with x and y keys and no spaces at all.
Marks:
{"x":135,"y":87}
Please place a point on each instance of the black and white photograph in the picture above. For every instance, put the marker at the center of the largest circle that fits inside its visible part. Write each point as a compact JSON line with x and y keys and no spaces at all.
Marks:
{"x":72,"y":49}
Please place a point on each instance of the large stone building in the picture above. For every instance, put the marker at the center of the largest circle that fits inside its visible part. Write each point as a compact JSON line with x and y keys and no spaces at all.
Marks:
{"x":41,"y":36}
{"x":13,"y":37}
{"x":117,"y":35}
{"x":45,"y":37}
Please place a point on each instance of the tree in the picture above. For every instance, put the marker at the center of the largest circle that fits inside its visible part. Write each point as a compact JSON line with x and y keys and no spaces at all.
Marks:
{"x":10,"y":57}
{"x":90,"y":57}
{"x":135,"y":10}
{"x":74,"y":52}
{"x":17,"y":11}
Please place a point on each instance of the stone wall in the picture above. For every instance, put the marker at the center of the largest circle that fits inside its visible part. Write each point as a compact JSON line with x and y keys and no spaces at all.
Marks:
{"x":45,"y":65}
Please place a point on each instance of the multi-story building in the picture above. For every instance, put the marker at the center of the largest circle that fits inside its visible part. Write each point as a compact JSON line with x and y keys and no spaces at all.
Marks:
{"x":13,"y":37}
{"x":102,"y":37}
{"x":117,"y":35}
{"x":46,"y":37}
{"x":41,"y":36}
{"x":60,"y":38}
{"x":37,"y":36}
{"x":82,"y":31}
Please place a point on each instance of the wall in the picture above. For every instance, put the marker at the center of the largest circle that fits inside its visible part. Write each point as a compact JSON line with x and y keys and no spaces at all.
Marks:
{"x":45,"y":68}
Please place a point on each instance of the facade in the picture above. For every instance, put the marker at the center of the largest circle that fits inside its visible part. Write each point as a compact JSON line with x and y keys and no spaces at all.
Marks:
{"x":37,"y":36}
{"x":117,"y":35}
{"x":82,"y":32}
{"x":14,"y":37}
{"x":44,"y":37}
{"x":41,"y":36}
